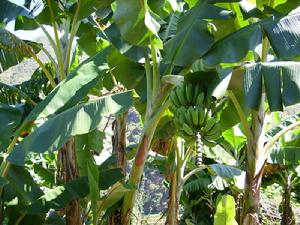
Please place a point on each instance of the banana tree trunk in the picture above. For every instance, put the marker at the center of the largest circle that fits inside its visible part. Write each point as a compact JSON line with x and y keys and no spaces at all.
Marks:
{"x":67,"y":171}
{"x":288,"y":217}
{"x":173,"y":202}
{"x":119,"y":140}
{"x":251,"y":199}
{"x":119,"y":146}
{"x":255,"y":161}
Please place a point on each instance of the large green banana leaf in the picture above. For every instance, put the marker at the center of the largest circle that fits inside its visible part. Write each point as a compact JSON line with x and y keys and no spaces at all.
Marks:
{"x":283,"y":34}
{"x":71,"y":90}
{"x":59,"y":196}
{"x":281,"y":84}
{"x":87,"y":167}
{"x":130,"y":74}
{"x":133,"y":52}
{"x":61,"y":10}
{"x":288,"y":151}
{"x":9,"y":11}
{"x":135,"y":21}
{"x":10,"y":118}
{"x":282,"y":125}
{"x":193,"y":38}
{"x":225,"y":211}
{"x":80,"y":119}
{"x":286,"y":155}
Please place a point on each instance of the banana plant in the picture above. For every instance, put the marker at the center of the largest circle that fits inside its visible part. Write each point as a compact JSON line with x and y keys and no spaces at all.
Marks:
{"x":282,"y":168}
{"x":162,"y":48}
{"x":74,"y":80}
{"x":184,"y":177}
{"x":256,"y":67}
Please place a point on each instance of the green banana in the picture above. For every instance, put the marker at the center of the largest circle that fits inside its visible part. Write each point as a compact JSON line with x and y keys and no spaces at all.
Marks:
{"x":196,"y":92}
{"x":208,"y":143}
{"x":209,"y":124}
{"x":200,"y":98}
{"x":185,"y":136}
{"x":180,"y":92}
{"x":174,"y":99}
{"x":181,"y":119}
{"x":173,"y":108}
{"x":176,"y":121}
{"x":215,"y":129}
{"x":212,"y":137}
{"x":195,"y":117}
{"x":186,"y":128}
{"x":189,"y":116}
{"x":189,"y":93}
{"x":201,"y":116}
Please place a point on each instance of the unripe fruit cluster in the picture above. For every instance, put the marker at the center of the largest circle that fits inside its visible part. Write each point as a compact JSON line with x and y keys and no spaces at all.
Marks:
{"x":193,"y":115}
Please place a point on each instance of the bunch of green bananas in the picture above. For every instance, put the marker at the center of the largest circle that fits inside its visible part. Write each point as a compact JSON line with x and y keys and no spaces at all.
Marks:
{"x":193,"y":116}
{"x":193,"y":120}
{"x":186,"y":95}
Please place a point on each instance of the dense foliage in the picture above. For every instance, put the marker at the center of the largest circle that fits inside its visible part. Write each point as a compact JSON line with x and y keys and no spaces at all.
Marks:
{"x":208,"y":78}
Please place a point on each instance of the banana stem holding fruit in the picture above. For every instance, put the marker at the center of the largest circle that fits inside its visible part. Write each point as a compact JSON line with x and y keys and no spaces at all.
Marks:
{"x":199,"y":149}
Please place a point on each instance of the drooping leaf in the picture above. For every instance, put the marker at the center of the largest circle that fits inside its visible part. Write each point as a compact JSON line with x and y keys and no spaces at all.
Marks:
{"x":43,"y":18}
{"x":282,"y":125}
{"x":225,"y":211}
{"x":73,"y":89}
{"x":13,"y":50}
{"x":22,"y":184}
{"x":170,"y":29}
{"x":46,"y":174}
{"x":192,"y":28}
{"x":291,"y":83}
{"x":224,"y":170}
{"x":128,"y":73}
{"x":284,"y":36}
{"x":220,"y":155}
{"x":31,"y":90}
{"x":10,"y":118}
{"x":278,"y":93}
{"x":115,"y":194}
{"x":93,"y":141}
{"x":286,"y":155}
{"x":272,"y":83}
{"x":133,"y":52}
{"x":229,"y":116}
{"x":3,"y":182}
{"x":235,"y":46}
{"x":253,"y":85}
{"x":93,"y":177}
{"x":286,"y":7}
{"x":88,"y":167}
{"x":114,"y":174}
{"x":89,"y":39}
{"x":197,"y":184}
{"x":60,"y":196}
{"x":9,"y":11}
{"x":129,"y":16}
{"x":80,"y":119}
{"x":87,"y":7}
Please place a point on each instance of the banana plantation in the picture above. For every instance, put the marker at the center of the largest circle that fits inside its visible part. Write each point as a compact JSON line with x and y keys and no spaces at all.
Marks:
{"x":213,"y":86}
